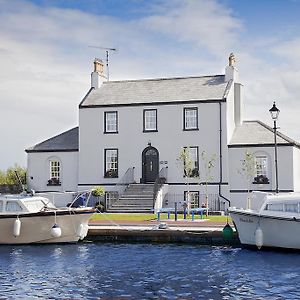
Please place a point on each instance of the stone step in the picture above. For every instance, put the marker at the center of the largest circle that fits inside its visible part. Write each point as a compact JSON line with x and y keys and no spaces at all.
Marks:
{"x":136,"y":198}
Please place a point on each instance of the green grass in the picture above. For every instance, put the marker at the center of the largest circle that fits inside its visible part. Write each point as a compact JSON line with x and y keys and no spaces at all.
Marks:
{"x":148,"y":217}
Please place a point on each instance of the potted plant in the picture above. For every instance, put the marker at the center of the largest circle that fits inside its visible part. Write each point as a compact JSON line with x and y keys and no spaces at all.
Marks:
{"x":261,"y":179}
{"x":98,"y":192}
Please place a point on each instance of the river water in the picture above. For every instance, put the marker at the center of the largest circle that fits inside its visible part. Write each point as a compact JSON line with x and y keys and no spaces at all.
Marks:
{"x":146,"y":271}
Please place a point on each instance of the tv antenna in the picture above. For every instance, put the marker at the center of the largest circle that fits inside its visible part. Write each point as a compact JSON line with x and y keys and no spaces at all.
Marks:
{"x":107,"y":50}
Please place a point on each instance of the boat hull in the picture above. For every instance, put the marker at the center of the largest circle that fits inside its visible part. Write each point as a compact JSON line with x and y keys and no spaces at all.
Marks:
{"x":277,"y":232}
{"x":36,"y":227}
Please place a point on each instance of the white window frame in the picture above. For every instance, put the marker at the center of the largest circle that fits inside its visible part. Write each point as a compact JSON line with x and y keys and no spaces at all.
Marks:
{"x":55,"y":169}
{"x":261,"y":165}
{"x":194,"y":157}
{"x":111,"y":162}
{"x":194,"y":198}
{"x":110,"y":122}
{"x":190,"y":118}
{"x":150,"y":120}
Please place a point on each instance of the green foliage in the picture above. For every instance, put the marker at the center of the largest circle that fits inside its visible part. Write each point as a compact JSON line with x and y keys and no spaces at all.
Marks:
{"x":98,"y":191}
{"x":248,"y":171}
{"x":9,"y":176}
{"x":248,"y":168}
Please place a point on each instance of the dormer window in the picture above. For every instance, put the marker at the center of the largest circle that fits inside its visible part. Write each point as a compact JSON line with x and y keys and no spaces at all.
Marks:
{"x":110,"y":122}
{"x":190,"y":121}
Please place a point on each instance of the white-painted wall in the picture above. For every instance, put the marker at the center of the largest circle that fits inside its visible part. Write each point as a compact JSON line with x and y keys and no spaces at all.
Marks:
{"x":131,"y":141}
{"x":38,"y":174}
{"x":286,"y":172}
{"x":296,"y":164}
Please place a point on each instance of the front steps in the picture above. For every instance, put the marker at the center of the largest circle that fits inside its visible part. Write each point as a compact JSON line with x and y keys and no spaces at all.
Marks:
{"x":137,"y":198}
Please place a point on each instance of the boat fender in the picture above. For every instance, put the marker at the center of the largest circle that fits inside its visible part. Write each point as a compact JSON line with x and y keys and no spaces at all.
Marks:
{"x":227,"y":232}
{"x":86,"y":229}
{"x":17,"y":227}
{"x":259,"y":238}
{"x":55,"y":231}
{"x":82,"y":231}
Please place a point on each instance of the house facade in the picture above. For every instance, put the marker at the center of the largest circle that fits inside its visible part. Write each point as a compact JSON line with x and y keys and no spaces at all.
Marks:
{"x":134,"y":132}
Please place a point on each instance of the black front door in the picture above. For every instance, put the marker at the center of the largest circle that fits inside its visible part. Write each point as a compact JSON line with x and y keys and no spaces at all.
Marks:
{"x":150,"y":164}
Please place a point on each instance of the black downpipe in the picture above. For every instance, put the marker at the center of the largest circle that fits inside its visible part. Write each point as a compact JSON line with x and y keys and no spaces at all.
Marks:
{"x":221,"y":156}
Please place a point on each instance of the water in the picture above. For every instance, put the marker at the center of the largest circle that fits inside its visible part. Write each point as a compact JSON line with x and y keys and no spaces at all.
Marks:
{"x":145,"y":271}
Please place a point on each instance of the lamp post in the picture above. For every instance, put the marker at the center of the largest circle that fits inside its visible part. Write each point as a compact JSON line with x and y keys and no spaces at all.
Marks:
{"x":274,"y":111}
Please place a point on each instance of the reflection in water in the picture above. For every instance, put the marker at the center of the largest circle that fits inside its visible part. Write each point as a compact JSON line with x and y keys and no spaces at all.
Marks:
{"x":140,"y":271}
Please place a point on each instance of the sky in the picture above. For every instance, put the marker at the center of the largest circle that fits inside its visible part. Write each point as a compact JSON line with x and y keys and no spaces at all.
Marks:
{"x":45,"y":61}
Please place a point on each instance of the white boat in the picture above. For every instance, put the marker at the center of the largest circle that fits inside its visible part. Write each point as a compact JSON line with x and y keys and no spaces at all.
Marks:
{"x":28,"y":219}
{"x":275,"y":224}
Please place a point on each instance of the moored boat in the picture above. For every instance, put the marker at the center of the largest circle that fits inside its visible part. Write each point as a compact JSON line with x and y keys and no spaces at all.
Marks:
{"x":275,"y":224}
{"x":28,"y":219}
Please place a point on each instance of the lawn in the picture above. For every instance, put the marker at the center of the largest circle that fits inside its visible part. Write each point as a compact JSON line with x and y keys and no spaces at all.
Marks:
{"x":149,"y":217}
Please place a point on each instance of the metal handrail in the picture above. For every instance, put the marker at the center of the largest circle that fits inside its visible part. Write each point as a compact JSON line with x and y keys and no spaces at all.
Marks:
{"x":123,"y":183}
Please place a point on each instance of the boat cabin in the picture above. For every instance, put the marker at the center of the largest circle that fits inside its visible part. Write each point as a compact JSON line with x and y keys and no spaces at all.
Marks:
{"x":23,"y":204}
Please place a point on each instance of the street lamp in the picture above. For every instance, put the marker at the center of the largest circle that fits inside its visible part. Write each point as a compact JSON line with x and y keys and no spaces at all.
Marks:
{"x":274,"y":111}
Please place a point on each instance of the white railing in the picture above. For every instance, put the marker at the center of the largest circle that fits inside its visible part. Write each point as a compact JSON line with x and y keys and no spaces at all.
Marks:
{"x":160,"y":197}
{"x":159,"y":192}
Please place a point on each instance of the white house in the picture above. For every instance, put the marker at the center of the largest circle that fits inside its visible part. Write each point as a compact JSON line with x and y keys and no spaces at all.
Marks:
{"x":131,"y":134}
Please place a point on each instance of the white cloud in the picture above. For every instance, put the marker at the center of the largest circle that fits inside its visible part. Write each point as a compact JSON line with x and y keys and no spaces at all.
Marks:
{"x":46,"y":63}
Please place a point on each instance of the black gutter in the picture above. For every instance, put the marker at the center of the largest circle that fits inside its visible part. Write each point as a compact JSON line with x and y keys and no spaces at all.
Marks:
{"x":221,"y":155}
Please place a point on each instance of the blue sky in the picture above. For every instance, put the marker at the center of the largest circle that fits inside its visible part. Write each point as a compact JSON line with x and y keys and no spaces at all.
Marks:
{"x":46,"y":62}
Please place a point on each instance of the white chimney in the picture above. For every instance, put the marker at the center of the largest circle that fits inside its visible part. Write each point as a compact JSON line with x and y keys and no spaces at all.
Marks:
{"x":97,"y":77}
{"x":231,"y":72}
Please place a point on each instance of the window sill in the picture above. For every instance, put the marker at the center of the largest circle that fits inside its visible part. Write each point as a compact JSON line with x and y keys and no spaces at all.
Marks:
{"x":191,"y":129}
{"x":111,"y":177}
{"x":145,"y":131}
{"x":260,"y":183}
{"x":113,"y":132}
{"x":53,"y":184}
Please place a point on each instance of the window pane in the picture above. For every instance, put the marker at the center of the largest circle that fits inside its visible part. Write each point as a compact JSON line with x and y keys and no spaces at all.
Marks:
{"x":111,"y":121}
{"x":291,"y":207}
{"x":192,"y":164}
{"x":54,"y":169}
{"x":13,"y":206}
{"x":261,"y":165}
{"x":111,"y":163}
{"x":193,"y":198}
{"x":190,"y":118}
{"x":150,"y":120}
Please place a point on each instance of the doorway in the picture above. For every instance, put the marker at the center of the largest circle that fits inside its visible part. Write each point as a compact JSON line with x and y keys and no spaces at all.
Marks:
{"x":150,"y":160}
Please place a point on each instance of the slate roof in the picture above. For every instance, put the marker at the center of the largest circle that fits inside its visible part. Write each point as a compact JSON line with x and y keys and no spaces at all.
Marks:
{"x":157,"y":91}
{"x":257,"y":133}
{"x":67,"y":141}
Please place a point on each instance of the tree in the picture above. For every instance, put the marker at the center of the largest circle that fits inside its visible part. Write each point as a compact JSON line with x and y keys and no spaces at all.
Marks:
{"x":208,"y":165}
{"x":9,"y":176}
{"x":188,"y":167}
{"x":248,"y":171}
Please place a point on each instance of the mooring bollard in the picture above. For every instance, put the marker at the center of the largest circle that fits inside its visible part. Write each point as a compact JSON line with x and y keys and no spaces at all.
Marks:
{"x":193,"y":215}
{"x":175,"y":211}
{"x":169,"y":215}
{"x":158,"y":216}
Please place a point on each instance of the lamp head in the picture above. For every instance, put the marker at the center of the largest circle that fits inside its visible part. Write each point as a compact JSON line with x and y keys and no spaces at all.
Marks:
{"x":274,"y":111}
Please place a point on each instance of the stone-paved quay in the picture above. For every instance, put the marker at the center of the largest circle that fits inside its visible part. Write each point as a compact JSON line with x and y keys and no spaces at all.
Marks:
{"x":202,"y":232}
